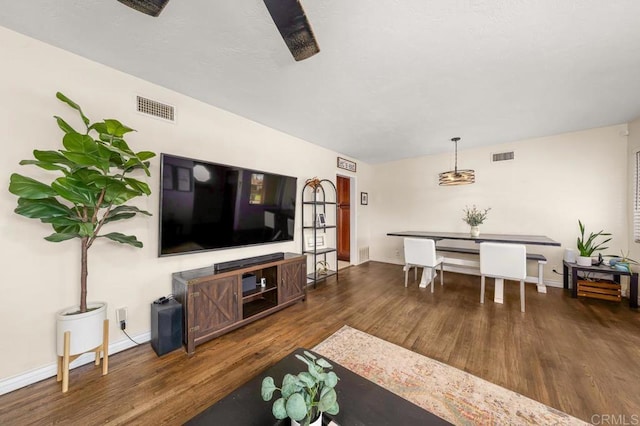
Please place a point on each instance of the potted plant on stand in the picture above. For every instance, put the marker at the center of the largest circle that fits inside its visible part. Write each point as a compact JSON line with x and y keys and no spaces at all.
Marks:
{"x":94,"y":184}
{"x":587,"y":245}
{"x":306,"y":396}
{"x":474,"y":217}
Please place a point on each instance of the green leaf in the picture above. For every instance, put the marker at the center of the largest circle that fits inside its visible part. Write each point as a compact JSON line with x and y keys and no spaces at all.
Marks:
{"x":119,"y":194}
{"x":99,"y":127}
{"x":43,"y":165}
{"x":289,"y":385}
{"x":279,"y":410}
{"x":73,"y":105}
{"x":267,"y":389}
{"x":114,"y":127}
{"x":138,"y":186}
{"x":58,"y":237}
{"x":64,"y":125}
{"x":26,"y":187}
{"x":52,"y":157}
{"x":145,"y":155}
{"x":46,"y":208}
{"x":310,"y":355}
{"x":335,"y":409}
{"x":121,"y":209}
{"x":331,"y":379}
{"x":86,"y":229}
{"x":123,"y":216}
{"x":125,"y":239}
{"x":312,"y":370}
{"x":75,"y":191}
{"x":296,"y":407}
{"x":323,"y":363}
{"x":80,"y":144}
{"x":305,"y":360}
{"x":307,"y":379}
{"x":327,"y":400}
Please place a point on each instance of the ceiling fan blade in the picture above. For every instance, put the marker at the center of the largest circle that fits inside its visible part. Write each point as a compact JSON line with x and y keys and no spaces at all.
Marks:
{"x":294,"y":27}
{"x":150,"y":7}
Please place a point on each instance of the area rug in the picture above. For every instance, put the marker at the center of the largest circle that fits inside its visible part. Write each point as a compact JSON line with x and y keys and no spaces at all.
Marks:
{"x":452,"y":394}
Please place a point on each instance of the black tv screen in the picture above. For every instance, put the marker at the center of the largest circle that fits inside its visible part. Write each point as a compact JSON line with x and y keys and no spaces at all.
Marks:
{"x":209,"y":206}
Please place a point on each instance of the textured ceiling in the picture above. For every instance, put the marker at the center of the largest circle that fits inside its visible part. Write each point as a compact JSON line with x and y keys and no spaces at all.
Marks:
{"x":394,"y":79}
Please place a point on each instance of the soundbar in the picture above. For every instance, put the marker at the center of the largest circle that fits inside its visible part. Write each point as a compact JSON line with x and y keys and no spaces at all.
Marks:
{"x":249,"y":261}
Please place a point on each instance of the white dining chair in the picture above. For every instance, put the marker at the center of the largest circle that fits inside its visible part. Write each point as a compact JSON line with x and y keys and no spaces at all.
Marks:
{"x":421,"y":252}
{"x":503,"y":261}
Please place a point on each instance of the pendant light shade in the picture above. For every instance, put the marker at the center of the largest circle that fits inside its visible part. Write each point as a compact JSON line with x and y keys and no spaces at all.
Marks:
{"x":455,"y":176}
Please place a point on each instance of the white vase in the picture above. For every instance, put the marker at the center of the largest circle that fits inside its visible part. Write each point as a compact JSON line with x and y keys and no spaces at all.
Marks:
{"x":584,"y":260}
{"x":86,"y":328}
{"x":475,"y":231}
{"x":317,"y":422}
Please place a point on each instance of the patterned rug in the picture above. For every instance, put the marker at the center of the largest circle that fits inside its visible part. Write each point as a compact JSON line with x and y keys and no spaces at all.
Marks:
{"x":452,"y":394}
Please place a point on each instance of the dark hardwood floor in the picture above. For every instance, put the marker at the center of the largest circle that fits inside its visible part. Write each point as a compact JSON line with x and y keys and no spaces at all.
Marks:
{"x":580,"y":356}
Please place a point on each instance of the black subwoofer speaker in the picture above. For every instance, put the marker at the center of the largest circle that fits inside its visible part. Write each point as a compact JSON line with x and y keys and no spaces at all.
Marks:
{"x":166,"y":326}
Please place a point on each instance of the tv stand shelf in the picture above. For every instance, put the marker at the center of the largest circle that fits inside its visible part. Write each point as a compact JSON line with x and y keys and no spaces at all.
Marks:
{"x":214,"y":302}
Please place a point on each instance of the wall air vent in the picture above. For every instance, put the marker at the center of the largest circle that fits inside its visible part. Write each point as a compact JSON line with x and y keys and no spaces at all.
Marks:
{"x":502,"y":156}
{"x":156,"y":109}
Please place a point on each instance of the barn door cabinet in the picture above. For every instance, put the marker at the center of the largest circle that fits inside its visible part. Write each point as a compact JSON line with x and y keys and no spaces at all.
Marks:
{"x":215,"y":303}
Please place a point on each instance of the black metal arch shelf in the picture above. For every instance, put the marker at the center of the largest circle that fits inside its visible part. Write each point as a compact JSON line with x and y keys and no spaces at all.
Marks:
{"x":319,"y":197}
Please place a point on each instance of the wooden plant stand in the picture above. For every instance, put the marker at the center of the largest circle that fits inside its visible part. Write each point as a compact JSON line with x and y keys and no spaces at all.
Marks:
{"x":605,"y":290}
{"x":67,"y":358}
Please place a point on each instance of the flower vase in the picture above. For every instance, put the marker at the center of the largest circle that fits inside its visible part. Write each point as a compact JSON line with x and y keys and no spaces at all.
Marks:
{"x":475,"y":231}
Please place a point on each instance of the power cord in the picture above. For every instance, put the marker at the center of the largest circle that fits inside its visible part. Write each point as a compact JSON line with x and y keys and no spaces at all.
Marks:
{"x":125,"y":333}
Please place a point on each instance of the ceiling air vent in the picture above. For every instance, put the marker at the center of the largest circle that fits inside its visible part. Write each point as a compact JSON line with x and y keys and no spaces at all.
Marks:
{"x":156,"y":109}
{"x":502,"y":156}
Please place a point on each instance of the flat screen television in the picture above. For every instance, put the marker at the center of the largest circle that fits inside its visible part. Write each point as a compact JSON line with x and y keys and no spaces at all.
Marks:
{"x":209,"y":206}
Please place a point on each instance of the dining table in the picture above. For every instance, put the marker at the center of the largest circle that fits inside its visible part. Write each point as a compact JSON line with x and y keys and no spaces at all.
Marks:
{"x":538,"y":240}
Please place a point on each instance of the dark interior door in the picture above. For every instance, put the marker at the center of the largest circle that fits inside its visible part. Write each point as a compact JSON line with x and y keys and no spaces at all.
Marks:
{"x":344,"y":215}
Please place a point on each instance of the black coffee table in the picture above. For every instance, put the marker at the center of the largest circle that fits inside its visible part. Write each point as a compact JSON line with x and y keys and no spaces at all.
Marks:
{"x":362,"y":402}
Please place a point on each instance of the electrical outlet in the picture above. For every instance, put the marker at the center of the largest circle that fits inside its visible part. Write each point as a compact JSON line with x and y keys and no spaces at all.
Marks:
{"x":121,"y":317}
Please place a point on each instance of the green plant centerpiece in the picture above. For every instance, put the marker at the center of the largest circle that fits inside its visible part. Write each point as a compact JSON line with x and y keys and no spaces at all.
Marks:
{"x":588,"y":245}
{"x":94,"y":185}
{"x":474,"y":216}
{"x":304,"y":396}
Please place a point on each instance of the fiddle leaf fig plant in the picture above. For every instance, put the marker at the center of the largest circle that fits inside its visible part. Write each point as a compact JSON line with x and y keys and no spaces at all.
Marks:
{"x":93,"y":187}
{"x":304,"y":396}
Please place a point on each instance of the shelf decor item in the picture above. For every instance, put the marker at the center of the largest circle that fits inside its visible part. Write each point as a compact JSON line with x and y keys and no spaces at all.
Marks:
{"x":588,"y":245}
{"x":95,"y":167}
{"x":322,"y":267}
{"x":474,"y":217}
{"x":305,"y":396}
{"x":345,"y":164}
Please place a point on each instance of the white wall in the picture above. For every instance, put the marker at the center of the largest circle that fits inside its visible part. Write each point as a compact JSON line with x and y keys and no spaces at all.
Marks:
{"x":634,"y":146}
{"x":40,"y":278}
{"x":553,"y":182}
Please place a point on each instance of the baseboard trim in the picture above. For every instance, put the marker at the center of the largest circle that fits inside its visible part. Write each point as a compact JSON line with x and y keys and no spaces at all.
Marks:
{"x":30,"y":377}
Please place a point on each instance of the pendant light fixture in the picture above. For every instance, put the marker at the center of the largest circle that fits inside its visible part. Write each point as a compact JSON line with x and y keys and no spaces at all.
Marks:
{"x":455,"y":176}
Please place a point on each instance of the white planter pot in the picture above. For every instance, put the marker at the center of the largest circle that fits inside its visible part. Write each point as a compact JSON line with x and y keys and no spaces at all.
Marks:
{"x":317,"y":422}
{"x":475,"y":231}
{"x":584,"y":261}
{"x":86,"y":328}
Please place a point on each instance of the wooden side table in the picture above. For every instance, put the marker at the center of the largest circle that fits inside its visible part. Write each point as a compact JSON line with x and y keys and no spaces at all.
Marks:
{"x":573,"y":268}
